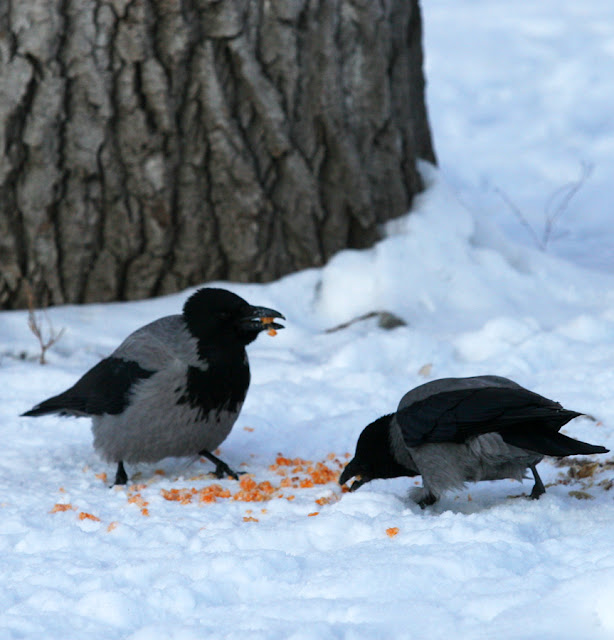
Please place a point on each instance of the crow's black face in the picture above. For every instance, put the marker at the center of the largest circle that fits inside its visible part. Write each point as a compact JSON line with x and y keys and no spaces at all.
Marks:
{"x":219,"y":315}
{"x":373,"y":458}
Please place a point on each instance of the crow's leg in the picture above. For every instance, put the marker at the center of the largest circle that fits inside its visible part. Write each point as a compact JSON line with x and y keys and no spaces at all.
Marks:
{"x":422,"y":497}
{"x":427,"y":500}
{"x":121,"y":477}
{"x":538,"y":488}
{"x":221,"y":468}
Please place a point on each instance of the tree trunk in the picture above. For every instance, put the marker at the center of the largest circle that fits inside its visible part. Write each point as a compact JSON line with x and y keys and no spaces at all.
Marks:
{"x":149,"y":145}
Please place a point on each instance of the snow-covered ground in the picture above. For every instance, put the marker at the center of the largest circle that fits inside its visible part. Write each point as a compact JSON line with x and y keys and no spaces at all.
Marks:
{"x":521,"y":101}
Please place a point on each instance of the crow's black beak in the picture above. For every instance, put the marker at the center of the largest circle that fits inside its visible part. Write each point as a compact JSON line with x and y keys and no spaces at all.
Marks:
{"x":261,"y":319}
{"x":351,"y":470}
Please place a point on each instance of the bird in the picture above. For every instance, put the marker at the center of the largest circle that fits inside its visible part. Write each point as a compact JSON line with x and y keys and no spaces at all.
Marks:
{"x":174,"y":387}
{"x":456,"y":430}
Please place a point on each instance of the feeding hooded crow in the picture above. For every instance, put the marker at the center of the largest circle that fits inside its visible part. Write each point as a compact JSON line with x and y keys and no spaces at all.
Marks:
{"x":458,"y":430}
{"x":173,"y":387}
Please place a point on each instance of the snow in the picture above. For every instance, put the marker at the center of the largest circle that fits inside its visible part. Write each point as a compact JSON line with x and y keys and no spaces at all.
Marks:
{"x":519,"y":102}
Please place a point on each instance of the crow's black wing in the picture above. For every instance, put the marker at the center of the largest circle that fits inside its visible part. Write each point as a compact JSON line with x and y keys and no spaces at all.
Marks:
{"x":105,"y":388}
{"x":455,"y":416}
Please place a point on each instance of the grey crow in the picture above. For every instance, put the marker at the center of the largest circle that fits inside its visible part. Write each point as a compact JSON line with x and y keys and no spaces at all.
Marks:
{"x":458,"y":430}
{"x":173,"y":387}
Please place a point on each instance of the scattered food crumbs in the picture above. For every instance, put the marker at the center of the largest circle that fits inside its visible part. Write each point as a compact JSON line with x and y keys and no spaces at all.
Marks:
{"x":62,"y":490}
{"x":295,"y":473}
{"x":250,"y":429}
{"x":88,"y":516}
{"x":313,"y":513}
{"x":250,"y":519}
{"x":61,"y":507}
{"x":272,"y":332}
{"x":160,"y":472}
{"x":112,"y":525}
{"x":392,"y":531}
{"x":102,"y":476}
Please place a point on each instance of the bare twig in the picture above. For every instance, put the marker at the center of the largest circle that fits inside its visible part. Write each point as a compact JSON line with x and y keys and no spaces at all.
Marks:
{"x":521,"y":217}
{"x":35,"y":325}
{"x":566,"y":194}
{"x":552,"y":213}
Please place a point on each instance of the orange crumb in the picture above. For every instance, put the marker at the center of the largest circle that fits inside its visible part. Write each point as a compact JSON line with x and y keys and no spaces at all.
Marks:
{"x":62,"y":490}
{"x":160,"y":472}
{"x":112,"y":525}
{"x":184,"y":496}
{"x":263,"y":511}
{"x":323,"y":475}
{"x":250,"y":429}
{"x":327,"y":500}
{"x":137,"y":499}
{"x":254,"y":492}
{"x":267,"y":320}
{"x":212,"y":493}
{"x":347,"y":455}
{"x":289,"y":497}
{"x":392,"y":531}
{"x":272,"y":332}
{"x":306,"y":484}
{"x":469,"y":498}
{"x":247,"y":483}
{"x":217,"y":452}
{"x":144,"y":511}
{"x":61,"y":507}
{"x":88,"y":516}
{"x":102,"y":476}
{"x":250,"y":519}
{"x":315,"y":513}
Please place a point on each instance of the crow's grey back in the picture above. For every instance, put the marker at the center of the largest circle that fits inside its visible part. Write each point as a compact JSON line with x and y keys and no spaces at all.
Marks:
{"x":160,"y":342}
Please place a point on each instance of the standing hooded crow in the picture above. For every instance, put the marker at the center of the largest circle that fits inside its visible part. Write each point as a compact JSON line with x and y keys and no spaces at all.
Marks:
{"x":173,"y":387}
{"x":458,"y":430}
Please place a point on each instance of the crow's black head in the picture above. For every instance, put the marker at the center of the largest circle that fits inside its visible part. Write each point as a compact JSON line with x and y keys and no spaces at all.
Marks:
{"x":373,"y":458}
{"x":219,"y":315}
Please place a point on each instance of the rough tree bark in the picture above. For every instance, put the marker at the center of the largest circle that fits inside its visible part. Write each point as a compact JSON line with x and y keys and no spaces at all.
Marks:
{"x":148,"y":145}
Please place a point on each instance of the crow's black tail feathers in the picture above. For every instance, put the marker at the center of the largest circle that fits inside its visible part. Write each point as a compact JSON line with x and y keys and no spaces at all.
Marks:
{"x":550,"y":443}
{"x":57,"y":404}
